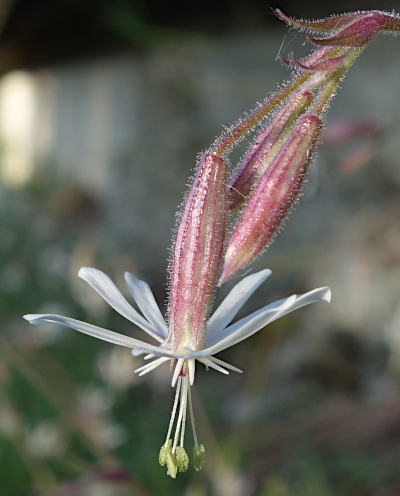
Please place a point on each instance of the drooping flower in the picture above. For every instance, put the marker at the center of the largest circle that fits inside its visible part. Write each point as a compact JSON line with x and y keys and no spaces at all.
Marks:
{"x":188,"y":337}
{"x":219,"y":334}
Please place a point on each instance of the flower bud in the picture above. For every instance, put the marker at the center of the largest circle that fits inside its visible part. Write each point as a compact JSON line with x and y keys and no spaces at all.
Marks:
{"x":321,"y":65}
{"x":199,"y":453}
{"x":265,"y":147}
{"x":333,"y":23}
{"x":272,"y":198}
{"x":357,"y":34}
{"x":349,"y":30}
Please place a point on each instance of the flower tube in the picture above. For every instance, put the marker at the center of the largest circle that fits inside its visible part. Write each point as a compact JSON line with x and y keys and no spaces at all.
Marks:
{"x":197,"y":253}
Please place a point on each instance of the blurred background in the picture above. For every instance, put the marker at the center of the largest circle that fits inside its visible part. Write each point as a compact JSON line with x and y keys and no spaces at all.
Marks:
{"x":104,"y":106}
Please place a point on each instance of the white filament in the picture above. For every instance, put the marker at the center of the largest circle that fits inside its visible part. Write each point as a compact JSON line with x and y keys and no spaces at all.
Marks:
{"x":173,"y":413}
{"x":192,"y":417}
{"x":181,"y":411}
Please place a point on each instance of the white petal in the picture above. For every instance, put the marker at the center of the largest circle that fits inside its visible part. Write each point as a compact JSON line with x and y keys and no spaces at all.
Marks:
{"x":144,"y":298}
{"x":192,"y":369}
{"x":177,"y":371}
{"x":104,"y":286}
{"x":209,"y":363}
{"x":234,"y":301}
{"x":147,"y":357}
{"x":149,"y":367}
{"x":272,"y":311}
{"x":152,"y":364}
{"x":140,"y":347}
{"x":256,"y":321}
{"x":225,"y":364}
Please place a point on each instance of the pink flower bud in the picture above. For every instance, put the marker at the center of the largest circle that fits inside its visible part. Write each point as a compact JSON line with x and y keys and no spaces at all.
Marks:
{"x":331,"y":24}
{"x":272,"y":198}
{"x":197,"y":253}
{"x":357,"y":34}
{"x":320,"y":65}
{"x":351,"y":30}
{"x":265,"y":147}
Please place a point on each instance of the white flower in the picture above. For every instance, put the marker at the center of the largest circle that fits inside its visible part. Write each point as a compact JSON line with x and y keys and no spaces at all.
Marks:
{"x":220,"y":334}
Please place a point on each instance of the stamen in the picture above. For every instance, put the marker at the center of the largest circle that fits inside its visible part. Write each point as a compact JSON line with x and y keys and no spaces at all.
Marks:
{"x":187,"y":387}
{"x":173,"y":413}
{"x":199,"y":453}
{"x":192,"y":416}
{"x":180,"y":416}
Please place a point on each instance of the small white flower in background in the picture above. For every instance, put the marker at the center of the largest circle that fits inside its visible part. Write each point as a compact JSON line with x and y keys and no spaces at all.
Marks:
{"x":115,"y":366}
{"x":94,"y":399}
{"x":45,"y":440}
{"x":10,"y":425}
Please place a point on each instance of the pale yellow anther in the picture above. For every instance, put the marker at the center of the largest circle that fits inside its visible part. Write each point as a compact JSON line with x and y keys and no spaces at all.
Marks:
{"x":165,"y":449}
{"x":172,"y":466}
{"x":199,"y":453}
{"x":182,"y":458}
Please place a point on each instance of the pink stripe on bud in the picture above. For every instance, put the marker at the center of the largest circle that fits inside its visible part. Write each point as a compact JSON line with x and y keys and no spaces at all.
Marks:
{"x":197,"y":253}
{"x":272,"y":198}
{"x":264,"y":148}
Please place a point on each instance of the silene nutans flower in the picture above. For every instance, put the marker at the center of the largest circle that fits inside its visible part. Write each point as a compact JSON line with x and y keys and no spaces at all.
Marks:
{"x":255,"y":199}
